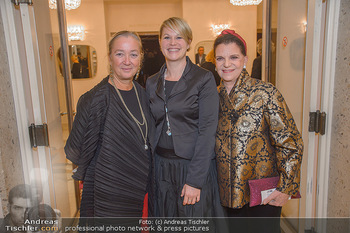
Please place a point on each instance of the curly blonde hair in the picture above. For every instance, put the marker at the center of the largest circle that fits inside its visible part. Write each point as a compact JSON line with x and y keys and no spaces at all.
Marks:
{"x":210,"y":57}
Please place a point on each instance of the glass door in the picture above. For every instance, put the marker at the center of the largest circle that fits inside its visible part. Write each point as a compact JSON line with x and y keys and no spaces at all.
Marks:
{"x":286,"y":64}
{"x":48,"y":169}
{"x":64,"y":189}
{"x":301,"y":51}
{"x":290,"y":44}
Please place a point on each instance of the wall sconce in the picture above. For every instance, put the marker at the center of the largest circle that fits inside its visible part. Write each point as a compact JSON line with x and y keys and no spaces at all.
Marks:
{"x":76,"y":32}
{"x":305,"y":26}
{"x":218,"y":28}
{"x":69,"y":4}
{"x":245,"y":2}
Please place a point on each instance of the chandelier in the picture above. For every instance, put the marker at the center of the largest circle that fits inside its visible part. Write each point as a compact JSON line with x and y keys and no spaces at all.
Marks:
{"x":245,"y":2}
{"x":76,"y":32}
{"x":69,"y":4}
{"x":218,"y":28}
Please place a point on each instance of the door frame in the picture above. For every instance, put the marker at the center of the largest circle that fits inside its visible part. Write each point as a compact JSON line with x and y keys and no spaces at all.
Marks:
{"x":26,"y":80}
{"x":329,"y":68}
{"x":16,"y":73}
{"x":320,"y":64}
{"x":28,"y":93}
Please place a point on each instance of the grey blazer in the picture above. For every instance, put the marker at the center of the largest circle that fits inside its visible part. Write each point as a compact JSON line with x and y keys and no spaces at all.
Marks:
{"x":193,"y":108}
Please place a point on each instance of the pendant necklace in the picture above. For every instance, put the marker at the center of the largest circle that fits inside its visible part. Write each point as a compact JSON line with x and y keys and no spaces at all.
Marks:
{"x":138,"y":123}
{"x":168,"y":132}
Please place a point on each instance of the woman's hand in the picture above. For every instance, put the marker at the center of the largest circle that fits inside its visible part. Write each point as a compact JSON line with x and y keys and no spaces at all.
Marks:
{"x":191,"y":195}
{"x":276,"y":199}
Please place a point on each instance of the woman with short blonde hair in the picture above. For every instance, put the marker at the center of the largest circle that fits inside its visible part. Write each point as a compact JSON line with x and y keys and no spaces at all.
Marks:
{"x":184,"y":103}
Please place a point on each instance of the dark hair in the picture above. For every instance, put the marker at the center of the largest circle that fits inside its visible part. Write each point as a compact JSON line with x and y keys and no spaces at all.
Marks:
{"x":42,"y":212}
{"x":228,"y":39}
{"x":20,"y":191}
{"x":200,"y":47}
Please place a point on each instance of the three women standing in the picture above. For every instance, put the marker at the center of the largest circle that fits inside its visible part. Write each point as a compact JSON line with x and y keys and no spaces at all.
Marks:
{"x":111,"y":137}
{"x":184,"y":103}
{"x":112,"y":134}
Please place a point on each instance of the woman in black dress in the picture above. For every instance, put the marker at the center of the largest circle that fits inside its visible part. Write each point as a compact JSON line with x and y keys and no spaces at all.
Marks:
{"x":184,"y":103}
{"x":109,"y":141}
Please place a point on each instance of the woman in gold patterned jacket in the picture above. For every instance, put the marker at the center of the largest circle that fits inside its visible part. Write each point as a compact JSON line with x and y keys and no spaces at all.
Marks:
{"x":256,"y":137}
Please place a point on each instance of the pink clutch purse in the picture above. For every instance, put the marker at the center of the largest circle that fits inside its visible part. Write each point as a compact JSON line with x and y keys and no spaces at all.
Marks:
{"x":258,"y":185}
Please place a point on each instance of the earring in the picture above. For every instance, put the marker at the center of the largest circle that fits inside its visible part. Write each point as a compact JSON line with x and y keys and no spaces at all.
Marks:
{"x":244,"y":66}
{"x":137,"y":74}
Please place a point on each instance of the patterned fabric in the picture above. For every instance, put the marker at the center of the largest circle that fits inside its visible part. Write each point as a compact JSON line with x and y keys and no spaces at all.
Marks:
{"x":256,"y":138}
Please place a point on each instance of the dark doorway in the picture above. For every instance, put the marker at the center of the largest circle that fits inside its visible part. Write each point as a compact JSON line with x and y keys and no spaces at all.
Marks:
{"x":153,"y":59}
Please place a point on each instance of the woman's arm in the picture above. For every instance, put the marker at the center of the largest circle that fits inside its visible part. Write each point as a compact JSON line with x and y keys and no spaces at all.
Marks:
{"x":287,"y":142}
{"x":75,"y":141}
{"x":83,"y":140}
{"x":208,"y":106}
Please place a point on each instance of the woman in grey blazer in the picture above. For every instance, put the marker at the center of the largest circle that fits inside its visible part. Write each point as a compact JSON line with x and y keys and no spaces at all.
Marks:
{"x":184,"y":103}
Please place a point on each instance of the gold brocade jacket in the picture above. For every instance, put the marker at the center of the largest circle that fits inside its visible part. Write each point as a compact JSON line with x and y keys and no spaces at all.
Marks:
{"x":256,"y":138}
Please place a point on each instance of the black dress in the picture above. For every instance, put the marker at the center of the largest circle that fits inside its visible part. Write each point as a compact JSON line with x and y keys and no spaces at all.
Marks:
{"x":256,"y":69}
{"x":108,"y":148}
{"x":76,"y":71}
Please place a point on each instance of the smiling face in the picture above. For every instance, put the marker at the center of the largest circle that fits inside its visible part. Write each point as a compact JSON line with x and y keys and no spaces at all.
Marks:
{"x":229,"y":62}
{"x":173,"y":45}
{"x":125,"y":57}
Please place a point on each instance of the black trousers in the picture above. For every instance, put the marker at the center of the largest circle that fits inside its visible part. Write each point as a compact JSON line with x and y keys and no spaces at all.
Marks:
{"x":257,"y":219}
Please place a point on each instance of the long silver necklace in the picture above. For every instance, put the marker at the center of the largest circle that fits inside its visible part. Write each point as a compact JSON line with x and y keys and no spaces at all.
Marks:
{"x":168,"y":132}
{"x":138,"y":123}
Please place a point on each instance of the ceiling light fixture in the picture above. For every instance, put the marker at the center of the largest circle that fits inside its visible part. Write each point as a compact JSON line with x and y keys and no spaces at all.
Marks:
{"x":69,"y":4}
{"x":245,"y":2}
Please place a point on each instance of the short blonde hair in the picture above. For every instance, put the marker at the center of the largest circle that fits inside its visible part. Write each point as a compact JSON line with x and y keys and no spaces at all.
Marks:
{"x":179,"y":26}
